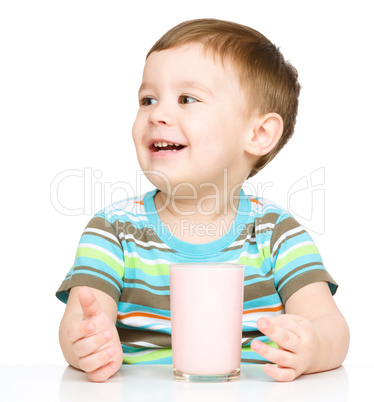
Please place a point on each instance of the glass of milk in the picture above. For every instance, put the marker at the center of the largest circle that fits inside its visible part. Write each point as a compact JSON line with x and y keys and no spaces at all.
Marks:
{"x":206,"y":303}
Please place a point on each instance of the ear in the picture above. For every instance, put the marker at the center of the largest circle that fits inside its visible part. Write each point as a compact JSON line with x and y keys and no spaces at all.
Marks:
{"x":265,"y":134}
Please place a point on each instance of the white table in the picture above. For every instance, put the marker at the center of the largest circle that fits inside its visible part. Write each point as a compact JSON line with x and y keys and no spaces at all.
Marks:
{"x":155,"y":383}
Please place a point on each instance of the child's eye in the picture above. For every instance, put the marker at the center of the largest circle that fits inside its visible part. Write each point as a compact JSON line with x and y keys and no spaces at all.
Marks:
{"x":185,"y":99}
{"x":147,"y":101}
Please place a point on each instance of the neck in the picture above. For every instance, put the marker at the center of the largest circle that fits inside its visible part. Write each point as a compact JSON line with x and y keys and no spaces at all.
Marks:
{"x":208,"y":205}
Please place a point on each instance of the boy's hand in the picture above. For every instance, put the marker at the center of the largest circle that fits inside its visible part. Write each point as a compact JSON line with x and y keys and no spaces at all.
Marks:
{"x":297,"y":341}
{"x":95,"y":339}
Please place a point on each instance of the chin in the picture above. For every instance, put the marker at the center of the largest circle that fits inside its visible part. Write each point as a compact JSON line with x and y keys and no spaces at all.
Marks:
{"x":158,"y":179}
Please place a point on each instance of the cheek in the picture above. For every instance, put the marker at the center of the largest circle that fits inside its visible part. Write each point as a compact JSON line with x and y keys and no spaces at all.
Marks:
{"x":137,"y":129}
{"x":212,"y":136}
{"x":204,"y":129}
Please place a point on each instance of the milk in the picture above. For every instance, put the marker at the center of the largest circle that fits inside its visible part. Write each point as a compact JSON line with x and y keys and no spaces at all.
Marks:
{"x":206,"y":317}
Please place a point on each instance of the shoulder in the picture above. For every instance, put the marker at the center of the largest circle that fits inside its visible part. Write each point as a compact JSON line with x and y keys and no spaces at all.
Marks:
{"x":129,"y":209}
{"x":263,"y":208}
{"x":273,"y":219}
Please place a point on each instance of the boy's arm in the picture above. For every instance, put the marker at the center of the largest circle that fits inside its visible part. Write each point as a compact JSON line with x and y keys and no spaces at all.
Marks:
{"x":312,"y":336}
{"x":88,"y":336}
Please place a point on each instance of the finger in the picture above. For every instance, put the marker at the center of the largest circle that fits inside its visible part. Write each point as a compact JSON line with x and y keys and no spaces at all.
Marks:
{"x":96,"y":360}
{"x":287,"y":321}
{"x":80,"y":330}
{"x":103,"y":373}
{"x":89,"y":304}
{"x":87,"y":346}
{"x":284,"y":335}
{"x":281,"y":357}
{"x":280,"y":373}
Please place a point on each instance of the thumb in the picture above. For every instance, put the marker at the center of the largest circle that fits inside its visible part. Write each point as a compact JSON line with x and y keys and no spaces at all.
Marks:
{"x":89,"y":304}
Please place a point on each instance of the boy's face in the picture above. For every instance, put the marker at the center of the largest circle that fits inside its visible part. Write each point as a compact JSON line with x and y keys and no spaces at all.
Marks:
{"x":187,"y":98}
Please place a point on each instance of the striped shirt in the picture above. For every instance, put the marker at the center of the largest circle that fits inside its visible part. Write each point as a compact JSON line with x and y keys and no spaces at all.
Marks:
{"x":126,"y":250}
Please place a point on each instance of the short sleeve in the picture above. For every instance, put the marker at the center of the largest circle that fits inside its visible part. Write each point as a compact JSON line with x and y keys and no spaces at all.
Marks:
{"x":296,"y":261}
{"x":99,"y":261}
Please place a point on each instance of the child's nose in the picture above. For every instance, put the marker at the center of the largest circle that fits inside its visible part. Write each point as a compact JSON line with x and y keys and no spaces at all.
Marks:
{"x":160,"y":115}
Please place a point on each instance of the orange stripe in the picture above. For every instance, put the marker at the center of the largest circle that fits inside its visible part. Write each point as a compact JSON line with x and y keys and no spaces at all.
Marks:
{"x":122,"y":316}
{"x":139,"y":202}
{"x":253,"y":200}
{"x":261,"y":310}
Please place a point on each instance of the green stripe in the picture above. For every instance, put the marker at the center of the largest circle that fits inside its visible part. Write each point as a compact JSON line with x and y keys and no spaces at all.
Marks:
{"x":149,"y":269}
{"x":255,"y":262}
{"x":294,"y":254}
{"x":99,"y":255}
{"x":154,"y":355}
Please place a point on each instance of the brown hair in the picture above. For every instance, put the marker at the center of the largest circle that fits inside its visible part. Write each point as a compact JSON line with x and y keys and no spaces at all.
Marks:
{"x":262,"y":70}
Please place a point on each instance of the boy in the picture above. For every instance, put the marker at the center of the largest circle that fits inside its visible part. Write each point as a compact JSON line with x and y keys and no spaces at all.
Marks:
{"x":217,"y":102}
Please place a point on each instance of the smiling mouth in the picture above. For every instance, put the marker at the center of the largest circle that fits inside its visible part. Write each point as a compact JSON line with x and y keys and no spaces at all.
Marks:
{"x":166,"y":147}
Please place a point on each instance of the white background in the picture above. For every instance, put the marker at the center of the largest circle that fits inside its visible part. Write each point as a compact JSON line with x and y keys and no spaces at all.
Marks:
{"x":69,"y":75}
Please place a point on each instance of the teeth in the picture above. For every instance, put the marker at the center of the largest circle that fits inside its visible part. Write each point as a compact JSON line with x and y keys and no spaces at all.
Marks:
{"x":164,"y":144}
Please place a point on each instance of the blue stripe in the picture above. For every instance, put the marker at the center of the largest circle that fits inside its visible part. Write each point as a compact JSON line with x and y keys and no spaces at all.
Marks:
{"x":96,"y":240}
{"x":165,"y":360}
{"x":263,"y":301}
{"x":133,"y":274}
{"x":99,"y":265}
{"x":126,"y":308}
